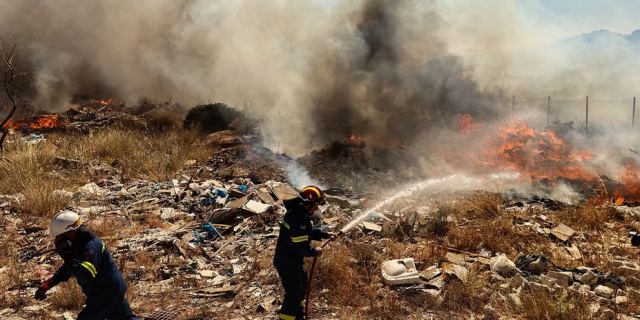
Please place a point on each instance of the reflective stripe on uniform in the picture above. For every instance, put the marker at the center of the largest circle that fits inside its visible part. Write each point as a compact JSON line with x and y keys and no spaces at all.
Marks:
{"x":300,"y":239}
{"x":286,"y":225}
{"x":90,"y":267}
{"x":286,"y":317}
{"x":103,"y":247}
{"x":302,"y":302}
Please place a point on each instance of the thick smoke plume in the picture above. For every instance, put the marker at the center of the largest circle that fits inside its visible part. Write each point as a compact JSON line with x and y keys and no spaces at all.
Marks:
{"x":310,"y":72}
{"x":399,"y":80}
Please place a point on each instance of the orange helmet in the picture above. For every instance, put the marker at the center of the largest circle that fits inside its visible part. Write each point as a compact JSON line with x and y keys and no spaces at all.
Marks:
{"x":313,"y":194}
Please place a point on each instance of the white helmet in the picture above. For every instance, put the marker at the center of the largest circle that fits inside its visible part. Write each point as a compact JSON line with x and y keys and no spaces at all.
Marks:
{"x":63,"y":222}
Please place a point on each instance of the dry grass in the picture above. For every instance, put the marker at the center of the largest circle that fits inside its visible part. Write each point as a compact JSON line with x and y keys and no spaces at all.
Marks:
{"x":589,"y":216}
{"x":67,"y":296}
{"x":164,"y":119}
{"x":541,"y":305}
{"x":352,"y":276}
{"x":482,"y":205}
{"x":461,"y":297}
{"x":497,"y":235}
{"x":137,"y":153}
{"x":484,"y":225}
{"x":348,"y":279}
{"x":437,"y":224}
{"x":31,"y":169}
{"x":148,"y":260}
{"x":12,"y":277}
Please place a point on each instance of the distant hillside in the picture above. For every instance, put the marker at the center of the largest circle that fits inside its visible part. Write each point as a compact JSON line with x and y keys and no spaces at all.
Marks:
{"x":602,"y":40}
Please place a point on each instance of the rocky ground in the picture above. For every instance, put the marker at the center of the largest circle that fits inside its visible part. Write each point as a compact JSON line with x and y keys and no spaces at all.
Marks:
{"x":192,"y":221}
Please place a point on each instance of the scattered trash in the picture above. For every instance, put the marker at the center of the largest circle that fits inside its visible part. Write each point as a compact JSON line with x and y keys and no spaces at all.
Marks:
{"x":458,"y":271}
{"x":256,"y":207}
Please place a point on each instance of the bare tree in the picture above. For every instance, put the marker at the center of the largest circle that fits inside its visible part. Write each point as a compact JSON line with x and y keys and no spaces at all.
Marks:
{"x":8,"y":52}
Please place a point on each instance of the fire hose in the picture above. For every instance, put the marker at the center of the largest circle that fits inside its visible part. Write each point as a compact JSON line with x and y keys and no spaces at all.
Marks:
{"x":313,"y":267}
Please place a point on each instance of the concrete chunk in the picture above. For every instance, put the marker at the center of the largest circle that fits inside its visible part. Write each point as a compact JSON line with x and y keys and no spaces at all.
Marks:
{"x":562,"y":278}
{"x":621,"y":300}
{"x":604,"y":292}
{"x":588,"y":278}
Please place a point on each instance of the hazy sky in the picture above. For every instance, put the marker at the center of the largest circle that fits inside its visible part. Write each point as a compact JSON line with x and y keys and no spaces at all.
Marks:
{"x":570,"y":17}
{"x":530,"y":23}
{"x":544,"y":21}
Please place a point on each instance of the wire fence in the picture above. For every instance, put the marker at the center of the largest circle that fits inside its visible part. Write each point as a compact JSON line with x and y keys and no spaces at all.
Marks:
{"x":587,"y":113}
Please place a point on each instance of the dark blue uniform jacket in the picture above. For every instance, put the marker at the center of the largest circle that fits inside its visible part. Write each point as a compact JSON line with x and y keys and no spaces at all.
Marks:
{"x":296,"y":233}
{"x":92,"y":266}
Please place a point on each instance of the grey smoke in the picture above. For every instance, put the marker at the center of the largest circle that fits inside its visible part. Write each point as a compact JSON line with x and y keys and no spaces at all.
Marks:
{"x":398,"y":72}
{"x":377,"y":67}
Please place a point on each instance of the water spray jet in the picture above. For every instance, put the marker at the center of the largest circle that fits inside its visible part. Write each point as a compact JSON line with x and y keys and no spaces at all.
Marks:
{"x":462,"y":182}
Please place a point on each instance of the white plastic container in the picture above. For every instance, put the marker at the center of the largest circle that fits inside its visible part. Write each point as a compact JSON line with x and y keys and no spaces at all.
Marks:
{"x":400,"y":271}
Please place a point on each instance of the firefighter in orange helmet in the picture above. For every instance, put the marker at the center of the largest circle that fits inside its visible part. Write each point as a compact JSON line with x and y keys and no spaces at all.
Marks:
{"x":294,"y":243}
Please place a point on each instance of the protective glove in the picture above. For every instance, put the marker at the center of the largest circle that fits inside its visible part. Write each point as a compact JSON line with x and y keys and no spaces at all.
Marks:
{"x":334,"y":236}
{"x":41,"y":293}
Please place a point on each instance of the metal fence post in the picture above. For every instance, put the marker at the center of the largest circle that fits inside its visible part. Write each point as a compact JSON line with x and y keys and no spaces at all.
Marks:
{"x":548,"y":110}
{"x":633,"y":114}
{"x":587,"y":116}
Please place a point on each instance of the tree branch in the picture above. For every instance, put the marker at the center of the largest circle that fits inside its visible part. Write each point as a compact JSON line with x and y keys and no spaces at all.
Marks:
{"x":9,"y":75}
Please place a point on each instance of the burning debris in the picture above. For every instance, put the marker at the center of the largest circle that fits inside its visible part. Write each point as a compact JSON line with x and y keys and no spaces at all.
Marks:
{"x":540,"y":155}
{"x":37,"y":123}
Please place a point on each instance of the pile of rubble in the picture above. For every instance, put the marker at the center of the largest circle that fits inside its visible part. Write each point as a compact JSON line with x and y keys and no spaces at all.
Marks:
{"x":210,"y":236}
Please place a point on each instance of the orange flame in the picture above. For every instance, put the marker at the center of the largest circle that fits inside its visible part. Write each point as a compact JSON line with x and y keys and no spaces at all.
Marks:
{"x":47,"y":122}
{"x":629,"y":188}
{"x":539,"y":154}
{"x":105,"y":102}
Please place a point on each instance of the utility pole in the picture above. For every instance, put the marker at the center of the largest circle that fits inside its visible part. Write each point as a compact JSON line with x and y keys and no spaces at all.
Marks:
{"x":587,"y":117}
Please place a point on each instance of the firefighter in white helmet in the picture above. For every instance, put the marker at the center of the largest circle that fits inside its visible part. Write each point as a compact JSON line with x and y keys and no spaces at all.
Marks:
{"x":87,"y":259}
